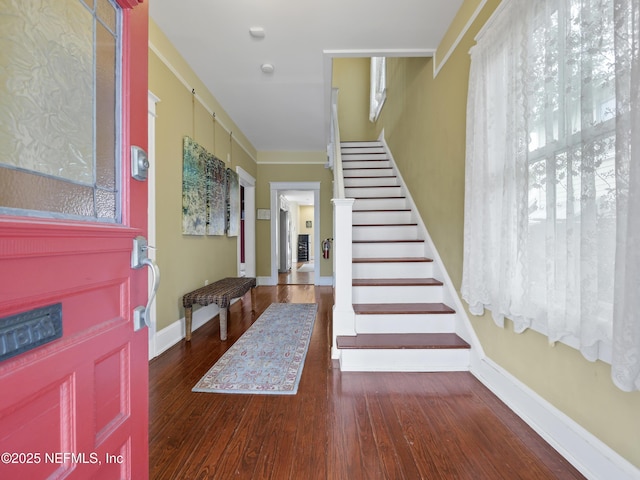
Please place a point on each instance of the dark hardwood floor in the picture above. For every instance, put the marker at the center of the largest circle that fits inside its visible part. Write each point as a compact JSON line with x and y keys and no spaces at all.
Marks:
{"x":339,"y":425}
{"x":295,"y":277}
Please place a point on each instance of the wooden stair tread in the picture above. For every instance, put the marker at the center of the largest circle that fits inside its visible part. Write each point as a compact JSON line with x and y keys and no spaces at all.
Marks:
{"x":372,"y":186}
{"x":384,"y":225}
{"x":380,"y":176}
{"x":401,"y":308}
{"x":401,"y":341}
{"x":383,"y":210}
{"x":395,"y":282}
{"x":373,"y":154}
{"x":391,"y":260}
{"x":367,"y":168}
{"x":388,"y":241}
{"x":376,"y":198}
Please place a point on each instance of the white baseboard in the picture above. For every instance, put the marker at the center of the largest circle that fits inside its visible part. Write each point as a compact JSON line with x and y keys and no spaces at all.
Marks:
{"x":592,"y":457}
{"x":174,"y":333}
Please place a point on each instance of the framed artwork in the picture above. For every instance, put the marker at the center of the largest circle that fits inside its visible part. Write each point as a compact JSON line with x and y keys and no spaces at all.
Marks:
{"x":308,"y":223}
{"x":204,"y":191}
{"x":233,"y":203}
{"x":194,"y":188}
{"x":216,"y":197}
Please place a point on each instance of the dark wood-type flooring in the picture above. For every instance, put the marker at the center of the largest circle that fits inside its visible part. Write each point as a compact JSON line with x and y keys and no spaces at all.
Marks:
{"x":294,"y":277}
{"x":339,"y":425}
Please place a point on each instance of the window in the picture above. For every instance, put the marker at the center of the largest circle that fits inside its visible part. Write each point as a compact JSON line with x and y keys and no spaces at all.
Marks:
{"x":59,"y":109}
{"x":378,"y":86}
{"x":548,"y":174}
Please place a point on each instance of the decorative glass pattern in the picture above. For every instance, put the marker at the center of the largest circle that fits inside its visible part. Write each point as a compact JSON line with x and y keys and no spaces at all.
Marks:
{"x":59,"y":108}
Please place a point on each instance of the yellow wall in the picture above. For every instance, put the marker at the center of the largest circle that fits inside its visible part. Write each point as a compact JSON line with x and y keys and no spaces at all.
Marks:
{"x":424,"y":124}
{"x":353,"y":100}
{"x":186,"y":261}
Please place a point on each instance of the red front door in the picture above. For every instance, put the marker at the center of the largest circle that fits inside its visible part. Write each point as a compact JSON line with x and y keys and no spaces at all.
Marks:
{"x":77,"y":406}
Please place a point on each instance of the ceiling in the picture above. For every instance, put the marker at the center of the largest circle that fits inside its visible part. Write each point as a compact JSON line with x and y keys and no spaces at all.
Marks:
{"x":301,"y":197}
{"x":288,"y":109}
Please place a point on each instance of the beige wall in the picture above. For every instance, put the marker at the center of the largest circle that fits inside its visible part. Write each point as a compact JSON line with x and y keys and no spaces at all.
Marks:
{"x":424,"y":124}
{"x":353,"y":100}
{"x":186,"y":261}
{"x":275,"y":172}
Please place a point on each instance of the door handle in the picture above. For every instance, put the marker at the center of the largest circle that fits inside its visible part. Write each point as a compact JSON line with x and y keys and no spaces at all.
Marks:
{"x":139,"y":259}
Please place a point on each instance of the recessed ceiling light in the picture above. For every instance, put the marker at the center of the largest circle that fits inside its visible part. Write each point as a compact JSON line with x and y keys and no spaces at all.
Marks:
{"x":256,"y":32}
{"x":267,"y":68}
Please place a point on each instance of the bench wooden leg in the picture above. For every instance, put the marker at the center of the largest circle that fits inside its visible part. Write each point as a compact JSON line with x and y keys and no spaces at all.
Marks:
{"x":187,"y":323}
{"x":253,"y":299}
{"x":223,"y":323}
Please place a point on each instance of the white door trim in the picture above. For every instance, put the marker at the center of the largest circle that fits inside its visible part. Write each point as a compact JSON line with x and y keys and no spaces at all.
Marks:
{"x":276,"y":189}
{"x":249,"y":184}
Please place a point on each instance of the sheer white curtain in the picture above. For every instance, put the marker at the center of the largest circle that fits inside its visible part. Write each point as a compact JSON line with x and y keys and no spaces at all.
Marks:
{"x":626,"y":312}
{"x":551,"y":176}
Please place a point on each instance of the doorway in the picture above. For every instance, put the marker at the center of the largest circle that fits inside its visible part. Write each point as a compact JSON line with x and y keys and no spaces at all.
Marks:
{"x":295,"y":242}
{"x":301,"y":202}
{"x":247,"y":237}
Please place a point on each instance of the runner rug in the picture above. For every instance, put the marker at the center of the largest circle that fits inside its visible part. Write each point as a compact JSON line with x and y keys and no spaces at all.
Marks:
{"x":268,"y":357}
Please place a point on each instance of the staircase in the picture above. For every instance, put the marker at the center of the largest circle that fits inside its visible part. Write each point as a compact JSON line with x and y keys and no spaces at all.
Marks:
{"x":401,"y":318}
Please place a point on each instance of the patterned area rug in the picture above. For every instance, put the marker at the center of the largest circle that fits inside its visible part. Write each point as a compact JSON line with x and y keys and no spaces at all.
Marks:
{"x":268,"y":357}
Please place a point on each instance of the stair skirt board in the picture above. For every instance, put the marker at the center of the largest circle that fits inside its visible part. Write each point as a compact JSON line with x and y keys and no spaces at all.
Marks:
{"x":404,"y":360}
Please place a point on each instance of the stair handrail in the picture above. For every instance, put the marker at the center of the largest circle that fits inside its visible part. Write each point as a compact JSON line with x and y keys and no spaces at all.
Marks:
{"x":343,"y":314}
{"x":336,"y":156}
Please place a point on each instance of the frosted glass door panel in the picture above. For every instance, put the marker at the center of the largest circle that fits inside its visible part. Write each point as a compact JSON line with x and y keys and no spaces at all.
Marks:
{"x":59,"y":101}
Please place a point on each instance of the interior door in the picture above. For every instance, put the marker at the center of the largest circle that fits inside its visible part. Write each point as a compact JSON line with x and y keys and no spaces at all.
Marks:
{"x":73,"y":367}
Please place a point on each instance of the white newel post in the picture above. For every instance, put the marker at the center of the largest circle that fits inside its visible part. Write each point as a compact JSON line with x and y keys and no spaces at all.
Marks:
{"x":343,"y":315}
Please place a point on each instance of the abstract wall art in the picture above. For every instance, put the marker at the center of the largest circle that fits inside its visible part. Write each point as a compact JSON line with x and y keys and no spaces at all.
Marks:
{"x":233,"y":203}
{"x":216,"y":196}
{"x":194,"y":188}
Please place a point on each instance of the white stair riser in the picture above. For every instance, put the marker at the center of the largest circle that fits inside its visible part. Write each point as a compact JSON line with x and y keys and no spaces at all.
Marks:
{"x":388,"y":250}
{"x":379,"y":203}
{"x":370,"y":182}
{"x":363,"y":172}
{"x":361,"y":144}
{"x":373,"y":192}
{"x":406,"y":323}
{"x":404,"y":360}
{"x":393,"y":294}
{"x":393,"y":270}
{"x":364,"y":218}
{"x":394,"y":232}
{"x":366,"y":164}
{"x":378,"y":149}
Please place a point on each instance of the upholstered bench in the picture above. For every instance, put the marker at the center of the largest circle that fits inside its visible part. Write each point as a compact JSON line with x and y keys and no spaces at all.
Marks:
{"x":221,"y":293}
